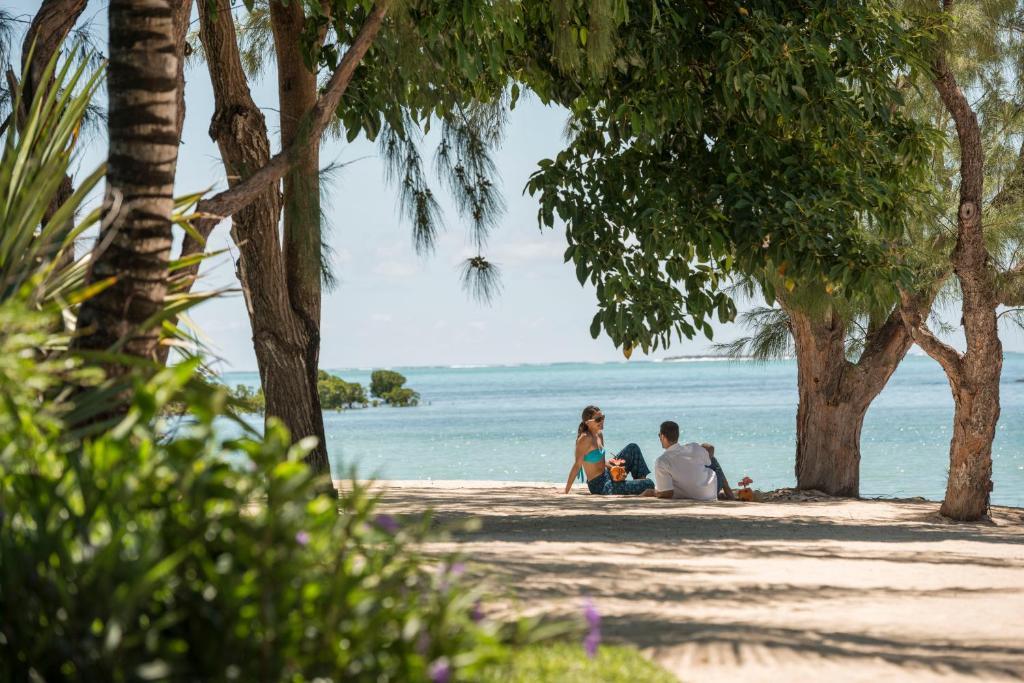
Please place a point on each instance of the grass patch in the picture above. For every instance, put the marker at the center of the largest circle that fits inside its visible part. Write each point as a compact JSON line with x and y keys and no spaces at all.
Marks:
{"x":570,"y":664}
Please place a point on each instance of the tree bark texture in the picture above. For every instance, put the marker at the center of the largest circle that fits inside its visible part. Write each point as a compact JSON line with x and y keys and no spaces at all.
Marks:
{"x":835,"y":394}
{"x":182,"y":21}
{"x":143,"y":153}
{"x":297,"y":95}
{"x":49,"y":28}
{"x":280,"y":336}
{"x":973,"y":376}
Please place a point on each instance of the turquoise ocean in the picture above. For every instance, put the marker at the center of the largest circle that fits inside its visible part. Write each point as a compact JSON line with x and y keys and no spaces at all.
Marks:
{"x":518,"y":423}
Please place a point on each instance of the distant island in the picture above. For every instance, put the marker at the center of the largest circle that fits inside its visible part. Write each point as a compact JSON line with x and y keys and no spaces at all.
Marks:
{"x":386,"y":386}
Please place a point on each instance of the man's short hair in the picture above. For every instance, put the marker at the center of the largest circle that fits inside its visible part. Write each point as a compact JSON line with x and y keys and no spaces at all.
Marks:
{"x":670,"y":430}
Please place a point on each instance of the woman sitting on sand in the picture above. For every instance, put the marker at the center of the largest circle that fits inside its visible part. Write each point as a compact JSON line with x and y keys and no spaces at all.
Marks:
{"x":590,"y":462}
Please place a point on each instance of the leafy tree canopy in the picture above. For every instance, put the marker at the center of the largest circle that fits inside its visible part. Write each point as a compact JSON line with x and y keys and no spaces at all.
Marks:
{"x":453,"y":64}
{"x":402,"y":397}
{"x":336,"y":393}
{"x":732,"y":139}
{"x":384,"y":381}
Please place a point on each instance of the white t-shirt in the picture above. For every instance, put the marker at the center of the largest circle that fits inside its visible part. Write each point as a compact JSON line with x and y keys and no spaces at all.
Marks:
{"x":685,"y":469}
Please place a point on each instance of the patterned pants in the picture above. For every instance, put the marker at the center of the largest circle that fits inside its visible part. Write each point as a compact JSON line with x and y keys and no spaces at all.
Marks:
{"x":602,"y":484}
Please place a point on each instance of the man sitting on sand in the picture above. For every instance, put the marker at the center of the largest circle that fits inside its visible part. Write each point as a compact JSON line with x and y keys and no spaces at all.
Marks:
{"x":688,"y":470}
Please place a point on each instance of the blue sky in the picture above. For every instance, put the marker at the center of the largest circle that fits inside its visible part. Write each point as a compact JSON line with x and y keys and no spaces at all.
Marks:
{"x":392,"y":307}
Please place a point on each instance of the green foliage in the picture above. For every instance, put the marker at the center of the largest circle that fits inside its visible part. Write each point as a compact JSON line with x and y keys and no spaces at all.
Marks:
{"x":37,"y":153}
{"x":247,"y":400}
{"x":390,"y":386}
{"x":402,"y":397}
{"x":568,"y":664}
{"x":140,"y":553}
{"x":133,"y":556}
{"x":384,"y":381}
{"x":450,"y":63}
{"x":984,"y":43}
{"x":770,"y":337}
{"x":336,"y":393}
{"x":723,"y":141}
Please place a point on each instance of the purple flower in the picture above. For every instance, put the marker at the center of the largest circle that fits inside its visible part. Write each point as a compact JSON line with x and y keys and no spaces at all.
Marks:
{"x":302,"y":538}
{"x":458,"y":569}
{"x":477,"y":613}
{"x":591,"y":614}
{"x":440,"y":670}
{"x":386,"y":523}
{"x":593,"y":637}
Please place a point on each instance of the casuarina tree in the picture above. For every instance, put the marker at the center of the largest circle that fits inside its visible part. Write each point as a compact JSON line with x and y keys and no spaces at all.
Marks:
{"x":985,"y":281}
{"x":393,"y":70}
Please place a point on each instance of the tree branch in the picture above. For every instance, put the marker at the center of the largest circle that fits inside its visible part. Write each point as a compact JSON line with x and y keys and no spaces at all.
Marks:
{"x":945,"y":355}
{"x":228,"y":202}
{"x":51,"y":24}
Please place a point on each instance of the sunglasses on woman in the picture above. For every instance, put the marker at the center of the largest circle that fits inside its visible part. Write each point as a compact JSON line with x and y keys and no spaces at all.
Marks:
{"x":599,"y":419}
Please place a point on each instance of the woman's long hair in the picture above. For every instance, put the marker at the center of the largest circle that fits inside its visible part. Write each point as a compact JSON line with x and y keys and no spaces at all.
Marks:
{"x":588,"y":413}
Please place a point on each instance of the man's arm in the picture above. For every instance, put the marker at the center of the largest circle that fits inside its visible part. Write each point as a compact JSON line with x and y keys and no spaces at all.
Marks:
{"x":663,"y":485}
{"x":723,"y":483}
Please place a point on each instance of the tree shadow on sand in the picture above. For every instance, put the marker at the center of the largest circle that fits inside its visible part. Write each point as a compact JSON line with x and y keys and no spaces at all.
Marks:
{"x":508,"y":515}
{"x":550,"y":550}
{"x":735,"y":643}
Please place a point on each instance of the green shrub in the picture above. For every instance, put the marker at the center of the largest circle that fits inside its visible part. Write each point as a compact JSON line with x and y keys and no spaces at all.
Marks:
{"x":336,"y":393}
{"x":402,"y":397}
{"x":138,"y":555}
{"x":383,"y":382}
{"x":247,"y":400}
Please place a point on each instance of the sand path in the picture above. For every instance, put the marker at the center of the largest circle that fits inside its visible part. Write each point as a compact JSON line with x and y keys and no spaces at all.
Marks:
{"x":827,"y":591}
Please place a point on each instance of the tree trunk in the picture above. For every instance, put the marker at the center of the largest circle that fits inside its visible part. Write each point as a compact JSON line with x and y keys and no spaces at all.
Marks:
{"x":975,"y":415}
{"x":297,"y":94}
{"x":182,"y":22}
{"x":828,"y":418}
{"x":828,"y":444}
{"x":143,"y":154}
{"x":835,"y":395}
{"x":279,"y":336}
{"x":973,"y":376}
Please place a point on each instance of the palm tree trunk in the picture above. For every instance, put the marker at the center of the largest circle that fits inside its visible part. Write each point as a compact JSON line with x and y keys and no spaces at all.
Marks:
{"x":143,"y":153}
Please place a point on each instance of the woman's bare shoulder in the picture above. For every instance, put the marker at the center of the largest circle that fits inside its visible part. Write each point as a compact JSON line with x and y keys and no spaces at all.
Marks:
{"x":584,"y":441}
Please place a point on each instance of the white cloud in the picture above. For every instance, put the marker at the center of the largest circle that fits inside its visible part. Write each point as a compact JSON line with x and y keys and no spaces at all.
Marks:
{"x":381,"y":317}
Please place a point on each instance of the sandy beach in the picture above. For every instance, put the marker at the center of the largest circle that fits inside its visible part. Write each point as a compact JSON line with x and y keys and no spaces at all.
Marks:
{"x":832,"y":590}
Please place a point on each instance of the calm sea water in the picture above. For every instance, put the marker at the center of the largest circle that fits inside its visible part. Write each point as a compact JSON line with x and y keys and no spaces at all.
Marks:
{"x":519,"y":423}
